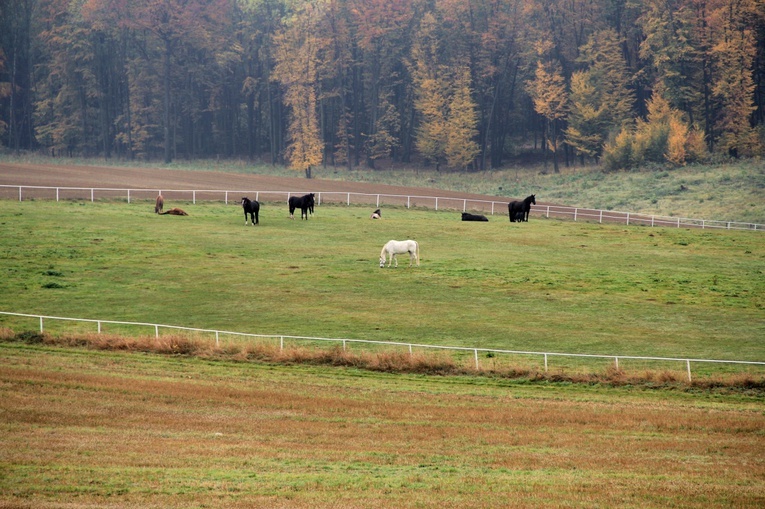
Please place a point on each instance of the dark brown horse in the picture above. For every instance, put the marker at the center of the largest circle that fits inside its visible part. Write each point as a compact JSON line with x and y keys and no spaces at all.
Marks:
{"x":251,"y":207}
{"x":519,"y":210}
{"x":174,"y":212}
{"x":159,"y":204}
{"x":304,"y":203}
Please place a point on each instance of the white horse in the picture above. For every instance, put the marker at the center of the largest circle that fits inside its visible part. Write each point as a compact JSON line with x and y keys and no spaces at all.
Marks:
{"x":394,"y":247}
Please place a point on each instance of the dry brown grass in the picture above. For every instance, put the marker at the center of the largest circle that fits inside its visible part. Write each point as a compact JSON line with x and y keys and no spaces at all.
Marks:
{"x":431,"y":363}
{"x":115,"y":430}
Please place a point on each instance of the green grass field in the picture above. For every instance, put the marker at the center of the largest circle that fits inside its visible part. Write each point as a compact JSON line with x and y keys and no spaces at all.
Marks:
{"x":546,"y":285}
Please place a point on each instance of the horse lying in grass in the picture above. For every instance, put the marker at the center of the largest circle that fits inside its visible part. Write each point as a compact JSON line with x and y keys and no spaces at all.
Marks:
{"x":251,"y":207}
{"x":519,"y":210}
{"x":467,"y":216}
{"x":159,"y":204}
{"x":396,"y":247}
{"x":376,"y":214}
{"x":305,"y":203}
{"x":174,"y":212}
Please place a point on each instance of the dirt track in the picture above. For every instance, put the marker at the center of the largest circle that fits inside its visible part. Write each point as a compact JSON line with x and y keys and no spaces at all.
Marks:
{"x":156,"y":178}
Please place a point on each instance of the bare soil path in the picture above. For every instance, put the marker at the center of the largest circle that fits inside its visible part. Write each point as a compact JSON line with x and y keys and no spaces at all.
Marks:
{"x":20,"y":174}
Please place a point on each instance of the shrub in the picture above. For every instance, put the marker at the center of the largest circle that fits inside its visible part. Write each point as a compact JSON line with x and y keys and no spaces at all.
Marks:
{"x":617,"y":154}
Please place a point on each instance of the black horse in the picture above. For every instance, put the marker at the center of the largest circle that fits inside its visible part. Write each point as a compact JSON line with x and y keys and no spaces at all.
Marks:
{"x":251,"y":207}
{"x":467,"y":216}
{"x":519,"y":210}
{"x":304,"y":203}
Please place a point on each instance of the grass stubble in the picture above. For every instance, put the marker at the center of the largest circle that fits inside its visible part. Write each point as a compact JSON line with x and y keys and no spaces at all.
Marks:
{"x":84,"y":428}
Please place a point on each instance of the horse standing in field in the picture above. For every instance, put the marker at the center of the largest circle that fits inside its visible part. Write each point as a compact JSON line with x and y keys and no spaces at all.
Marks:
{"x":519,"y":210}
{"x":394,"y":247}
{"x":251,"y":207}
{"x":304,"y":203}
{"x":160,"y":203}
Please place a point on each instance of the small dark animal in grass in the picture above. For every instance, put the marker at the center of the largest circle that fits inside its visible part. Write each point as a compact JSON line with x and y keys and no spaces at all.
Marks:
{"x":251,"y":207}
{"x":159,"y":204}
{"x":376,"y":214}
{"x":304,"y":203}
{"x":519,"y":210}
{"x":467,"y":216}
{"x":174,"y":212}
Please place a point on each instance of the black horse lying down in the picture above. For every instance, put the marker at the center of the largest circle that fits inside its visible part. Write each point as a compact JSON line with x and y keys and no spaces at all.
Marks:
{"x":251,"y":207}
{"x":467,"y":216}
{"x":304,"y":203}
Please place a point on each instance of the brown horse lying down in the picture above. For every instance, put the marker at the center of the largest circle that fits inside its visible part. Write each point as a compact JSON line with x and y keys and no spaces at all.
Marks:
{"x":174,"y":212}
{"x":160,"y":203}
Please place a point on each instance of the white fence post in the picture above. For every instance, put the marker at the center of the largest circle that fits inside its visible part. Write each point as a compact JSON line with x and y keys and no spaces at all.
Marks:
{"x":19,"y":193}
{"x":410,"y":350}
{"x":616,"y":362}
{"x":156,"y":331}
{"x":436,"y":202}
{"x":57,"y":194}
{"x":128,"y":195}
{"x":91,"y":195}
{"x":628,"y":218}
{"x":99,"y":326}
{"x":601,"y":216}
{"x":476,"y":359}
{"x":407,"y":198}
{"x":545,"y":363}
{"x":464,"y":205}
{"x":41,"y":324}
{"x":349,"y":200}
{"x":281,"y":342}
{"x":378,"y":201}
{"x":217,"y":339}
{"x":194,"y":197}
{"x":688,"y":365}
{"x":575,"y":212}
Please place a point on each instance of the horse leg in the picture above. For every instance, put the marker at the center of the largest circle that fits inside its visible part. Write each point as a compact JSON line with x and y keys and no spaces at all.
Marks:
{"x":257,"y":221}
{"x":245,"y":218}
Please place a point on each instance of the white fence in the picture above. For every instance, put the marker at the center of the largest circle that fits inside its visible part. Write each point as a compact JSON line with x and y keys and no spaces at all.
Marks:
{"x":437,"y":202}
{"x":410,"y":346}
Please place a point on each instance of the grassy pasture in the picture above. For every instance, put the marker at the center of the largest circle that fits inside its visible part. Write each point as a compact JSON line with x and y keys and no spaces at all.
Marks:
{"x":547,"y":285}
{"x":83,"y":429}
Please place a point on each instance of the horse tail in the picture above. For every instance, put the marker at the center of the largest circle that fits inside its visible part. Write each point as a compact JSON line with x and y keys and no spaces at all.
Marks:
{"x":417,"y":252}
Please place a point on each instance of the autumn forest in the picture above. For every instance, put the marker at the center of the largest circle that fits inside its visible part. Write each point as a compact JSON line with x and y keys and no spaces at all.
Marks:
{"x":458,"y":84}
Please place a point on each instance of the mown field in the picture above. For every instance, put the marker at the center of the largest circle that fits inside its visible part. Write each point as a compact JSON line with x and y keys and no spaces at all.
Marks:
{"x":546,"y":285}
{"x":82,"y":429}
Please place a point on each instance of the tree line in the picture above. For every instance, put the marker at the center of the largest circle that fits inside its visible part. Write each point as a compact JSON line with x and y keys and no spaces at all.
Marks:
{"x":463,"y":84}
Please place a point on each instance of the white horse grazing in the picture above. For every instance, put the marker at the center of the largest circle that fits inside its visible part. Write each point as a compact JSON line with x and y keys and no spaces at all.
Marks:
{"x":394,"y":247}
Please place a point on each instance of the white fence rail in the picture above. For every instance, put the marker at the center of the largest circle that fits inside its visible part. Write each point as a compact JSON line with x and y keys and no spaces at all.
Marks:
{"x":686,"y":362}
{"x":437,"y":202}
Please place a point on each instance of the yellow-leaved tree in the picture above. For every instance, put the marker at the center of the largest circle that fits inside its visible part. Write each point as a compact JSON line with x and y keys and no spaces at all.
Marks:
{"x":461,"y":148}
{"x":548,"y":91}
{"x":298,"y":52}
